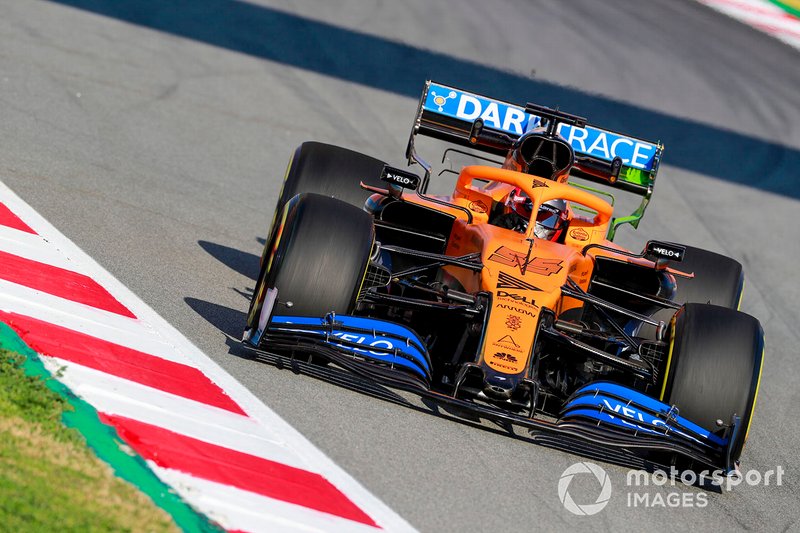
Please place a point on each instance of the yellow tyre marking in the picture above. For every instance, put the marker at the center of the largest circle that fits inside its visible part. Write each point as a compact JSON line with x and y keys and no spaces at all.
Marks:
{"x":669,"y":359}
{"x":755,"y":397}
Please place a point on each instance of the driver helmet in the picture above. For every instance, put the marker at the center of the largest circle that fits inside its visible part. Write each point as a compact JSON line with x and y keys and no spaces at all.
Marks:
{"x":550,"y":220}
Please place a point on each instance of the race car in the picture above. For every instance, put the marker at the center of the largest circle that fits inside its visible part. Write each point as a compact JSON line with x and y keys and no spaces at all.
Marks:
{"x":508,"y":298}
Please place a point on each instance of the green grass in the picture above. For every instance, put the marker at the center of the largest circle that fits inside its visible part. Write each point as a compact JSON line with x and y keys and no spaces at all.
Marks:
{"x":49,"y":479}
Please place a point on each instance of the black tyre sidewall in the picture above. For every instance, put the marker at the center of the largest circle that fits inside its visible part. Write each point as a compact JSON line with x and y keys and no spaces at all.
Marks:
{"x":331,"y":171}
{"x":328,"y":170}
{"x":715,"y":366}
{"x":321,"y":256}
{"x":718,"y":280}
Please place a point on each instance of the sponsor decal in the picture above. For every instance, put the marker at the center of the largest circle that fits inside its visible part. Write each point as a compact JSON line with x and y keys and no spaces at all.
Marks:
{"x":538,"y":265}
{"x":400,"y":177}
{"x":508,"y":339}
{"x":442,"y":100}
{"x":516,"y":309}
{"x":507,"y":281}
{"x":513,"y":322}
{"x":579,"y":234}
{"x":607,"y":146}
{"x":580,"y":278}
{"x":478,"y":206}
{"x":583,"y":277}
{"x":497,"y":115}
{"x":630,"y":412}
{"x":476,"y":241}
{"x":629,"y":417}
{"x":513,"y":119}
{"x":539,"y":183}
{"x":659,"y":250}
{"x":507,"y":343}
{"x":552,"y":209}
{"x":501,"y":367}
{"x":505,"y":357}
{"x":362,"y":339}
{"x":525,"y":300}
{"x":400,"y":180}
{"x":505,"y":347}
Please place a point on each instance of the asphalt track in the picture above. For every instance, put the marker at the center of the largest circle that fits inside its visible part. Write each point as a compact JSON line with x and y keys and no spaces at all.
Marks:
{"x":155,"y":135}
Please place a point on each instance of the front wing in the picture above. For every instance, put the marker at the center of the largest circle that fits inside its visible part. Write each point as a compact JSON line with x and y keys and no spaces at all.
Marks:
{"x":601,"y":419}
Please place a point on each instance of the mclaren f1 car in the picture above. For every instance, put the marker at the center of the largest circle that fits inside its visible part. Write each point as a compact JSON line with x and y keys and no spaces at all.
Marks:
{"x":509,"y":298}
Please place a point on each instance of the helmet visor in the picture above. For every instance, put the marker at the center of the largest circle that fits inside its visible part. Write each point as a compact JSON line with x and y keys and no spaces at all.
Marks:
{"x":521,"y":204}
{"x":550,"y":217}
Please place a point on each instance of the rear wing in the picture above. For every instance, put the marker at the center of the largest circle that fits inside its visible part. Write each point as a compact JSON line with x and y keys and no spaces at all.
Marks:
{"x":489,"y":125}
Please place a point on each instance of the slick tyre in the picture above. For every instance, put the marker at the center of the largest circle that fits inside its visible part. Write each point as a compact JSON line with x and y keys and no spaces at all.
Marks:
{"x":718,"y":280}
{"x":321,"y":256}
{"x":714,"y":367}
{"x":330,"y":171}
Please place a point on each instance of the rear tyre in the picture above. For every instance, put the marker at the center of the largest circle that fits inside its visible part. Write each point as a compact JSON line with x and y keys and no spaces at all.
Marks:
{"x":718,"y":280}
{"x":320,"y":256}
{"x":714,"y":367}
{"x":330,"y":171}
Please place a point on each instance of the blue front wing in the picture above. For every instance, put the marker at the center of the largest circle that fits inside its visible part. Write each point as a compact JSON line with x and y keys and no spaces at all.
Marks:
{"x":600,"y":404}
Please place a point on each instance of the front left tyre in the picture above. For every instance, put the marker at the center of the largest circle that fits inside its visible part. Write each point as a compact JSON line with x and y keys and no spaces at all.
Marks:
{"x":318,"y":259}
{"x":714,"y":368}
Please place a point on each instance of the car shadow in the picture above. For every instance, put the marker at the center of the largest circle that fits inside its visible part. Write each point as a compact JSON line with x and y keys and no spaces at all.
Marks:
{"x":228,"y":321}
{"x":400,"y":68}
{"x":242,"y":262}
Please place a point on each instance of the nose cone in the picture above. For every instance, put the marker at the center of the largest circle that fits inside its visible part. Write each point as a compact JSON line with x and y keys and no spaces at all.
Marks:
{"x":498,"y":387}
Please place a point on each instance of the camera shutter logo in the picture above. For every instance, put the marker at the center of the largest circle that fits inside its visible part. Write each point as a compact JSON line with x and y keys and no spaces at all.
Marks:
{"x":602,"y":498}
